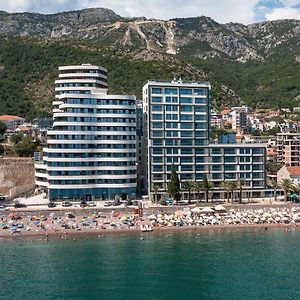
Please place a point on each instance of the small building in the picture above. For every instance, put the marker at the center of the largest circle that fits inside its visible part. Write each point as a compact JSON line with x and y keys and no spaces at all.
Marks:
{"x":291,"y":173}
{"x":12,"y":122}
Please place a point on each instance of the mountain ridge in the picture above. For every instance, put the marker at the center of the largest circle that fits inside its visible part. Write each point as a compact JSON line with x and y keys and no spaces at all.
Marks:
{"x":257,"y":64}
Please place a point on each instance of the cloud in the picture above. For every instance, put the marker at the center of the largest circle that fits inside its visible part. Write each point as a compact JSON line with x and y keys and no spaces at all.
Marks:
{"x":283,"y":13}
{"x":243,"y":11}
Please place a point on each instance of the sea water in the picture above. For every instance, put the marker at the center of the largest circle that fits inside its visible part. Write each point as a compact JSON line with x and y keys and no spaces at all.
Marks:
{"x":225,"y":264}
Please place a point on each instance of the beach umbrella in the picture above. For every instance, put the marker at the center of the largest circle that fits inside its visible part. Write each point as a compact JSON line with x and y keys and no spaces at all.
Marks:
{"x":220,"y":208}
{"x":12,"y":215}
{"x":195,"y":210}
{"x":207,"y":210}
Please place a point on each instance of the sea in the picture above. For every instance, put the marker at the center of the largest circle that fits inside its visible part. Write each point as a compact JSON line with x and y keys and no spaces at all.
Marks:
{"x":213,"y":264}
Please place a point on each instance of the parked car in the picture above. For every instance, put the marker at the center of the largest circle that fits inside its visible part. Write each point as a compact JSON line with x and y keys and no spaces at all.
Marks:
{"x":83,"y":204}
{"x":66,"y":204}
{"x":2,"y":197}
{"x":52,"y":204}
{"x":91,"y":204}
{"x":107,"y":203}
{"x":20,"y":205}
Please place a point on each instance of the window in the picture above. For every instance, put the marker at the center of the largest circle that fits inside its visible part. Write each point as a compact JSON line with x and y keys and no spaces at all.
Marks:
{"x":200,"y":109}
{"x":156,"y":90}
{"x":156,"y":108}
{"x":157,"y":159}
{"x":200,"y":100}
{"x":157,"y":117}
{"x":171,"y":99}
{"x":186,"y":108}
{"x":187,"y":151}
{"x":186,"y":100}
{"x":171,"y":108}
{"x":186,"y":159}
{"x":157,"y":142}
{"x":186,"y":117}
{"x":157,"y":99}
{"x":157,"y":151}
{"x":186,"y":125}
{"x":229,"y":150}
{"x":245,"y":151}
{"x":170,"y":91}
{"x":200,"y":159}
{"x":186,"y":91}
{"x":156,"y":125}
{"x":201,"y":92}
{"x":200,"y":117}
{"x":186,"y":168}
{"x":186,"y":134}
{"x":157,"y":133}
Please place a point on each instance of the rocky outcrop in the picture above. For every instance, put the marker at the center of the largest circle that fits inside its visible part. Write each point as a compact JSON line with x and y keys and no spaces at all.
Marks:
{"x":200,"y":37}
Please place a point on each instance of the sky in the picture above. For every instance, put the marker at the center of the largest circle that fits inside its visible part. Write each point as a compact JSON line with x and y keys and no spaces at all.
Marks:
{"x":223,"y":11}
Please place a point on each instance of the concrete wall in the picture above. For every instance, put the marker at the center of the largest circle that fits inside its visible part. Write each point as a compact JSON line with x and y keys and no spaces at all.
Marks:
{"x":19,"y":190}
{"x":15,"y":172}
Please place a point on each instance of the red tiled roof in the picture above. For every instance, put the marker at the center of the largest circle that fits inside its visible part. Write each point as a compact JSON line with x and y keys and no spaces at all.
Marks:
{"x":294,"y":171}
{"x":10,"y":118}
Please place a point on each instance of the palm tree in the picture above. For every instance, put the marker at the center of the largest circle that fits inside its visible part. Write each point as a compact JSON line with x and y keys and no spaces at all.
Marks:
{"x":206,"y":187}
{"x":232,"y":186}
{"x":188,"y":186}
{"x":226,"y":186}
{"x":241,"y":184}
{"x":155,"y":190}
{"x":198,"y":189}
{"x":274,"y":185}
{"x":286,"y":184}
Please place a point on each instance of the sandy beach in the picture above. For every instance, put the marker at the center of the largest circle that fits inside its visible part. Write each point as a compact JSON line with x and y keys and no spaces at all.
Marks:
{"x":67,"y":225}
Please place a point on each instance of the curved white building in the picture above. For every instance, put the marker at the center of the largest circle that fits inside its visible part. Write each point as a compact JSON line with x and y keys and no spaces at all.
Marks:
{"x":91,"y":149}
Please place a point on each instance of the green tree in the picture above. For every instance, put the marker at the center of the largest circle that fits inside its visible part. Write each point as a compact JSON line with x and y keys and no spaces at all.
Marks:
{"x":206,"y":187}
{"x":155,"y":190}
{"x":232,"y":186}
{"x":287,"y":185}
{"x":3,"y":128}
{"x":241,"y":185}
{"x":273,"y":168}
{"x":188,"y":187}
{"x":16,"y":138}
{"x":2,"y":150}
{"x":198,"y":189}
{"x":274,"y":185}
{"x":226,"y":187}
{"x":25,"y":148}
{"x":174,"y":185}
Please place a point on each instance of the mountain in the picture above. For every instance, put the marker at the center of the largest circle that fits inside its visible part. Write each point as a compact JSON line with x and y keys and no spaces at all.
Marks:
{"x":258,"y":64}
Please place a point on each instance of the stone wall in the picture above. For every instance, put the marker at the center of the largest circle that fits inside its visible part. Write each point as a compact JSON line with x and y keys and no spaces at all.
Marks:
{"x":15,"y":172}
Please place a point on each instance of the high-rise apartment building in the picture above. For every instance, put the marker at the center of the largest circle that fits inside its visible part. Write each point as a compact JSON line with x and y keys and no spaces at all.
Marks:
{"x":177,"y":131}
{"x":91,"y":148}
{"x":288,"y":148}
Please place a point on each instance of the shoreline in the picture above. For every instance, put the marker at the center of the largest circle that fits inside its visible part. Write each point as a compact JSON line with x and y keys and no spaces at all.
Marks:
{"x":72,"y":233}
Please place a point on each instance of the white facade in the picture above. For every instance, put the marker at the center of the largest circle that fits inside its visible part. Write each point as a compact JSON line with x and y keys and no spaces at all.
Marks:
{"x":91,"y":149}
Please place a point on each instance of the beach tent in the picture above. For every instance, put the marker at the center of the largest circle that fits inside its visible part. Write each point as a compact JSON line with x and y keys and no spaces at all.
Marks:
{"x":220,"y":208}
{"x":195,"y":210}
{"x":207,"y":210}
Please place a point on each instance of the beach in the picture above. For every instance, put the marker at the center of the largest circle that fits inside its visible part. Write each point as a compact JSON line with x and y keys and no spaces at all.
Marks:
{"x":71,"y":224}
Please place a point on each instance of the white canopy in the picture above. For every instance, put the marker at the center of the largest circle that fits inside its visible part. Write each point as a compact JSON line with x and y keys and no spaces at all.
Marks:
{"x":220,"y":208}
{"x":207,"y":210}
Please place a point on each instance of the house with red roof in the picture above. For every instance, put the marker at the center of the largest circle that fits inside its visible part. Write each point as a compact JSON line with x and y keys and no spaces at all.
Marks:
{"x":12,"y":122}
{"x":291,"y":173}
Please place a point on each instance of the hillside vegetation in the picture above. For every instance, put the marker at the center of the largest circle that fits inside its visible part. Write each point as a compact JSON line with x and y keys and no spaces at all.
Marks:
{"x":258,"y":64}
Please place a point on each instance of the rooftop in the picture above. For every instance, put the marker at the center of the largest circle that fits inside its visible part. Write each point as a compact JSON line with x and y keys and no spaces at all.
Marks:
{"x":178,"y":82}
{"x":294,"y":171}
{"x":10,"y":118}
